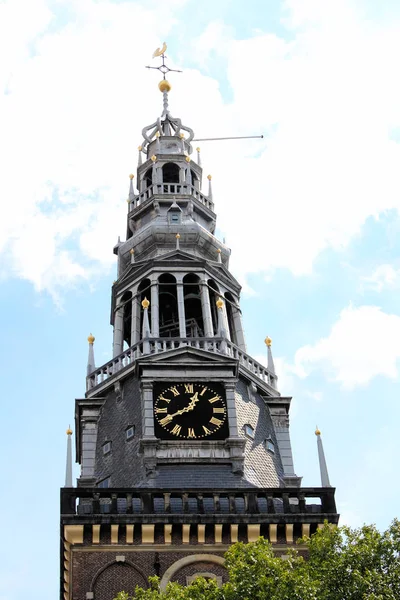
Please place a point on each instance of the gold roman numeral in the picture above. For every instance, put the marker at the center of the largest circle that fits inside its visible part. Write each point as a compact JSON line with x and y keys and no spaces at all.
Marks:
{"x":203,"y":391}
{"x":161,"y":397}
{"x":215,"y":421}
{"x":166,"y":420}
{"x":189,"y":388}
{"x":206,"y":431}
{"x":214,"y":399}
{"x":176,"y":430}
{"x":191,"y":433}
{"x":217,"y":409}
{"x":174,"y":391}
{"x":161,"y":410}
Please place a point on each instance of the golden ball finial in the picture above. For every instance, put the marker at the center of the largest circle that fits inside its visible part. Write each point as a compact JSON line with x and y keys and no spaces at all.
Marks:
{"x":219,"y":250}
{"x":219,"y":303}
{"x":198,"y":149}
{"x":164,"y":86}
{"x":131,"y":176}
{"x":178,"y":237}
{"x":182,"y":136}
{"x":140,"y":148}
{"x":131,"y":251}
{"x":157,"y":134}
{"x":209,"y":177}
{"x":91,"y":338}
{"x":69,"y":430}
{"x":154,"y":158}
{"x":145,"y":303}
{"x":317,"y":431}
{"x":268,"y":341}
{"x":187,"y":158}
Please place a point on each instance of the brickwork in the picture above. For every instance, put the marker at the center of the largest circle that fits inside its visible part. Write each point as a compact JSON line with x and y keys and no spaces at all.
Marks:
{"x":98,"y":570}
{"x":123,"y":464}
{"x":262,"y":468}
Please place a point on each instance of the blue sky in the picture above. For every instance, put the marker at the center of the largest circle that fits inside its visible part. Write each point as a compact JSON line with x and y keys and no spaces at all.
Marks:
{"x":311,"y":214}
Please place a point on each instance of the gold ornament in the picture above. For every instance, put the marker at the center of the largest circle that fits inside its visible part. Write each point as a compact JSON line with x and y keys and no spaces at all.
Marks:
{"x":187,"y":158}
{"x":131,"y":176}
{"x":209,"y":177}
{"x":91,"y":338}
{"x":317,"y":431}
{"x":160,"y":51}
{"x":145,"y":303}
{"x":154,"y":158}
{"x":178,"y":237}
{"x":198,"y":149}
{"x":268,"y":341}
{"x":69,"y":431}
{"x":164,"y":86}
{"x":219,"y":303}
{"x":131,"y":251}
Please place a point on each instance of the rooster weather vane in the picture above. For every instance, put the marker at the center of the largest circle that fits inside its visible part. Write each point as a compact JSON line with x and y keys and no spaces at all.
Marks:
{"x":163,"y":67}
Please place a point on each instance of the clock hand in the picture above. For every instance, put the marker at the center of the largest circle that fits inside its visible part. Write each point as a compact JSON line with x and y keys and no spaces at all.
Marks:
{"x":187,"y":408}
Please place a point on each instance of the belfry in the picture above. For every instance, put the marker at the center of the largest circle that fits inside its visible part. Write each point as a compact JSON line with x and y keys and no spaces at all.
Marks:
{"x":182,"y":437}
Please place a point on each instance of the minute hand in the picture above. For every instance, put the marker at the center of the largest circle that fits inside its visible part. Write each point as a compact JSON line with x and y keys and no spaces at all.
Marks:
{"x":187,"y":408}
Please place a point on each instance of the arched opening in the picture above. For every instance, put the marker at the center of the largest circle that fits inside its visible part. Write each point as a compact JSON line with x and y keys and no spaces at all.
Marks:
{"x":148,"y":178}
{"x":230,"y":311}
{"x":195,"y":179}
{"x":213,"y":291}
{"x":144,"y":291}
{"x":170,"y":173}
{"x":168,"y":306}
{"x":126,"y":301}
{"x":193,"y":309}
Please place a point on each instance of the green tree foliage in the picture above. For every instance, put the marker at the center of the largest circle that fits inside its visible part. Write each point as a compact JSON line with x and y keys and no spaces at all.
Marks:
{"x":342,"y":564}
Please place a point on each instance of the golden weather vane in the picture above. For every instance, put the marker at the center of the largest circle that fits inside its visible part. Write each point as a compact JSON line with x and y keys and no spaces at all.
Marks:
{"x":163,"y":67}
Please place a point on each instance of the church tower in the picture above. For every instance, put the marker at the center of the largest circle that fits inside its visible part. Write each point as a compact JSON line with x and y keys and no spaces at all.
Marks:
{"x":182,"y":437}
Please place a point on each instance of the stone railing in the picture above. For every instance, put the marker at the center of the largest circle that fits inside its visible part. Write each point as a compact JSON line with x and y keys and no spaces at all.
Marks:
{"x":158,"y":345}
{"x":267,"y":503}
{"x":172,"y":189}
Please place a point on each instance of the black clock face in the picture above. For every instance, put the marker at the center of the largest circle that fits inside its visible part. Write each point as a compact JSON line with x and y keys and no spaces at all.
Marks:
{"x":190,"y":411}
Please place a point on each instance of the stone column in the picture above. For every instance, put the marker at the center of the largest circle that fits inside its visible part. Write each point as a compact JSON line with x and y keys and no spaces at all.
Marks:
{"x":118,"y":342}
{"x":147,"y":410}
{"x":206,"y":310}
{"x":231,"y":407}
{"x":155,"y":332}
{"x":135,"y":323}
{"x":181,"y":309}
{"x":238,"y":325}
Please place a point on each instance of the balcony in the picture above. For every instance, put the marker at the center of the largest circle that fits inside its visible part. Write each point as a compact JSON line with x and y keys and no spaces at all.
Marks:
{"x":158,"y":345}
{"x":172,"y":189}
{"x":267,"y":505}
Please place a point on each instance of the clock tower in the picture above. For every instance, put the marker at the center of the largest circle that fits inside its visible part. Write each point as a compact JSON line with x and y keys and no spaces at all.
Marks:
{"x":182,"y":437}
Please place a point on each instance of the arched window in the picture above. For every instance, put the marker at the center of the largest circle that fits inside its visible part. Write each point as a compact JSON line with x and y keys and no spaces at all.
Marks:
{"x":170,"y":173}
{"x":148,"y":178}
{"x":193,"y":308}
{"x":126,"y":301}
{"x":168,"y":306}
{"x":213,"y":291}
{"x":144,"y":291}
{"x":230,"y":310}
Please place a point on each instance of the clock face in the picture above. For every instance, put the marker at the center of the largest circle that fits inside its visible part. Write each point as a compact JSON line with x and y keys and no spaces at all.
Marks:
{"x":190,"y":411}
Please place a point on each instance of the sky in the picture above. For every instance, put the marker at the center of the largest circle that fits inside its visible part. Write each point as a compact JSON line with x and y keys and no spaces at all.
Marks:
{"x":311,"y":213}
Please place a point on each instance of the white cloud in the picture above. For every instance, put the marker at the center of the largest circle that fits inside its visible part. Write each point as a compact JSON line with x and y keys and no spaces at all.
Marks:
{"x":76,"y":97}
{"x":384,"y":277}
{"x":361,"y":345}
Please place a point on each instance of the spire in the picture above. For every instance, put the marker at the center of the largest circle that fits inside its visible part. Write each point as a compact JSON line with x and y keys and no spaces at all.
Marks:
{"x":198,"y":156}
{"x":322,"y":462}
{"x":140,"y":148}
{"x":68,"y":467}
{"x":91,"y":364}
{"x":178,"y":237}
{"x":131,"y":192}
{"x":221,"y":324}
{"x":270,"y":364}
{"x":209,"y":177}
{"x":146,"y":326}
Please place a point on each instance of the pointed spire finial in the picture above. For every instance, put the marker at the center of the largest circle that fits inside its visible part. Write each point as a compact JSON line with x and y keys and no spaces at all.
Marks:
{"x":68,"y":465}
{"x":219,"y":255}
{"x":178,"y":237}
{"x":140,"y":148}
{"x":270,"y":364}
{"x":322,"y":462}
{"x":209,"y":177}
{"x":198,"y":156}
{"x":91,"y":364}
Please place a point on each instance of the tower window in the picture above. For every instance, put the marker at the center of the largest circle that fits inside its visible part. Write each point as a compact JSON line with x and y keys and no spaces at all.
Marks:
{"x":270,"y":446}
{"x":107,"y":448}
{"x":175,"y":217}
{"x":130,"y":432}
{"x":249,"y":431}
